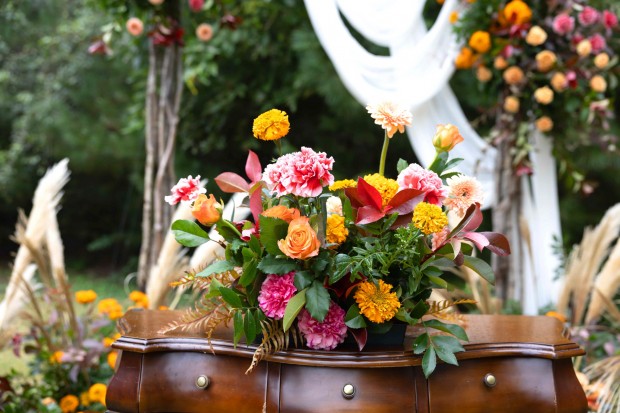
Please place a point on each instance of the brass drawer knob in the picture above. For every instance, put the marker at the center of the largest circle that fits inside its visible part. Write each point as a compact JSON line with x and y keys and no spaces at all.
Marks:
{"x":490,"y":380}
{"x":202,"y":382}
{"x":348,"y":391}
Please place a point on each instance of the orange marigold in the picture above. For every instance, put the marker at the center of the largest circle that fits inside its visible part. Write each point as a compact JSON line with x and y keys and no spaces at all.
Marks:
{"x":377,"y":302}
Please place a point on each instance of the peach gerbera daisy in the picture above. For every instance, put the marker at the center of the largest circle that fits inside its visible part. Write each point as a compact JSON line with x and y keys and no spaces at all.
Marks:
{"x":463,"y":191}
{"x":391,"y":116}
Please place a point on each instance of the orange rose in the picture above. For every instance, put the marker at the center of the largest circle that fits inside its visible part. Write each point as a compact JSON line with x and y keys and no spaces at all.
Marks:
{"x":517,"y":12}
{"x":500,"y":63}
{"x":598,"y":84}
{"x":446,"y":138}
{"x":544,"y":124}
{"x":282,"y":212}
{"x":511,"y":104}
{"x":206,"y":209}
{"x":513,"y":75}
{"x":483,"y":74}
{"x":559,"y":82}
{"x":536,"y":36}
{"x":480,"y":41}
{"x":543,"y":95}
{"x":545,"y":60}
{"x":584,"y":48}
{"x":301,"y":240}
{"x":601,"y":60}
{"x":465,"y":59}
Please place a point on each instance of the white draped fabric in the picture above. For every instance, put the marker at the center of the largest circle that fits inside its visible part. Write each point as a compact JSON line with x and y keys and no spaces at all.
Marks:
{"x":416,"y":74}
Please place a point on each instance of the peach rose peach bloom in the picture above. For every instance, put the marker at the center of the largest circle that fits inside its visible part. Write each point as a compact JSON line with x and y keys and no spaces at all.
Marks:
{"x":301,"y":241}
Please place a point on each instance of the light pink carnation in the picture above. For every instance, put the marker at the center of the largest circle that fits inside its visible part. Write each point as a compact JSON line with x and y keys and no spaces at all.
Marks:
{"x":326,"y":335}
{"x":416,"y":177}
{"x":186,"y":190}
{"x":588,"y":16}
{"x":303,"y":173}
{"x":597,"y":42}
{"x":275,"y":294}
{"x":463,"y":191}
{"x":610,"y":20}
{"x":563,"y":24}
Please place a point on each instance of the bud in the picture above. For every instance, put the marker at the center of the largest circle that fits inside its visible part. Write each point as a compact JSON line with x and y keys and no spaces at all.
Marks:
{"x":446,"y":138}
{"x":206,"y":209}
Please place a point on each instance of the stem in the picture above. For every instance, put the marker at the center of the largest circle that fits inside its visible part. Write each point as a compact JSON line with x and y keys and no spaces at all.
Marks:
{"x":386,"y":142}
{"x":432,"y":166}
{"x":230,"y":225}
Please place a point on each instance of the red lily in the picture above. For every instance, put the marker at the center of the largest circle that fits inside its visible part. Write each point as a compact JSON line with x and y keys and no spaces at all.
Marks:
{"x":369,"y":204}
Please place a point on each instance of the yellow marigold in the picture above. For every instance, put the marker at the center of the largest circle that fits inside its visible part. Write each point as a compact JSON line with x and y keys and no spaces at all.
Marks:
{"x":387,"y":187}
{"x":112,"y":356}
{"x":517,"y":12}
{"x":107,"y":341}
{"x":271,"y":125}
{"x":480,"y":41}
{"x":69,"y":403}
{"x":343,"y":184}
{"x":84,"y":400}
{"x":96,"y":393}
{"x":429,"y":218}
{"x":85,"y":296}
{"x":336,"y":231}
{"x":454,"y":17}
{"x":111,"y":308}
{"x":56,"y":357}
{"x":139,"y":298}
{"x":377,"y":302}
{"x":465,"y":59}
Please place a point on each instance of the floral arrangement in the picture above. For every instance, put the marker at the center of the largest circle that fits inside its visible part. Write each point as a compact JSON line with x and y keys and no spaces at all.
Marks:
{"x":552,"y":66}
{"x":72,"y":359}
{"x":323,"y":259}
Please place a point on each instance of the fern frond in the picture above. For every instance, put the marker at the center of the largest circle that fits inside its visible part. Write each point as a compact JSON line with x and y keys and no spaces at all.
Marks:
{"x":274,"y":339}
{"x":437,"y":307}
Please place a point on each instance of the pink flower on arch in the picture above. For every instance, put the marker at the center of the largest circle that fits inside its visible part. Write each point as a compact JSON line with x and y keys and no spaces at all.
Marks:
{"x":326,"y":335}
{"x":416,"y":177}
{"x":610,"y":20}
{"x":186,"y":190}
{"x":275,"y":294}
{"x":303,"y":173}
{"x":597,"y":42}
{"x":588,"y":16}
{"x":563,"y":24}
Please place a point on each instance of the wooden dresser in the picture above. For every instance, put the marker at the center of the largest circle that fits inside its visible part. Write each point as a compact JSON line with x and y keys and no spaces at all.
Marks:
{"x":512,"y":364}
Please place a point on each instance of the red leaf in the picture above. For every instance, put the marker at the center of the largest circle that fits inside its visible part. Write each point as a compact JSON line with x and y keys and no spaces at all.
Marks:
{"x":256,"y":205}
{"x":478,"y":239}
{"x":369,"y":195}
{"x":368,"y":214}
{"x":498,"y":243}
{"x":405,"y":200}
{"x":231,"y":182}
{"x":253,"y":168}
{"x":475,"y":221}
{"x":360,"y":335}
{"x":353,"y":195}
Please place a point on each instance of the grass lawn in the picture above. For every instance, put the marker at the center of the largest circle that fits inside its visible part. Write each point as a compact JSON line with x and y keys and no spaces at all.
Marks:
{"x":110,"y":286}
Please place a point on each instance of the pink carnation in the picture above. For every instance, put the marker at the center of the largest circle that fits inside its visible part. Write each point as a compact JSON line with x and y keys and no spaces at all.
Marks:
{"x":326,"y":335}
{"x":186,"y":190}
{"x":196,"y":5}
{"x":416,"y":177}
{"x":302,"y":173}
{"x":588,"y":16}
{"x":610,"y":20}
{"x":563,"y":24}
{"x":598,"y":43}
{"x":275,"y":294}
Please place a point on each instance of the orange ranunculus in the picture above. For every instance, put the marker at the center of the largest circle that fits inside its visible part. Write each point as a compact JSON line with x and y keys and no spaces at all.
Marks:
{"x":545,"y":60}
{"x":544,"y":124}
{"x":282,"y":212}
{"x":483,"y":74}
{"x":543,"y":95}
{"x":301,"y":240}
{"x":536,"y":36}
{"x":500,"y":63}
{"x":513,"y":75}
{"x":517,"y":12}
{"x":598,"y":84}
{"x":511,"y":104}
{"x":206,"y":209}
{"x":480,"y":41}
{"x":465,"y":59}
{"x":559,"y":82}
{"x":446,"y":138}
{"x":601,"y":60}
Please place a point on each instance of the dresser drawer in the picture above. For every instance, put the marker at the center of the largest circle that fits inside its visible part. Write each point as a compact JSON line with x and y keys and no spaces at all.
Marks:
{"x":169,"y":384}
{"x":513,"y":385}
{"x":306,"y":389}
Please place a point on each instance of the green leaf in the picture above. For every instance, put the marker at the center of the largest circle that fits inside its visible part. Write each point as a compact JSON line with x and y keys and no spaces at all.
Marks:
{"x":317,"y":301}
{"x":231,"y":297}
{"x":254,"y":245}
{"x":249,"y":272}
{"x":450,"y":343}
{"x":429,"y":362}
{"x":420,"y":344}
{"x":217,"y":267}
{"x":294,"y":306}
{"x":353,"y":318}
{"x":439,"y":282}
{"x":249,"y":327}
{"x":453,"y":329}
{"x":188,"y":233}
{"x":303,"y":279}
{"x":401,"y":165}
{"x":238,"y":327}
{"x":214,"y":289}
{"x":272,"y":265}
{"x":271,"y":231}
{"x":419,"y":310}
{"x":481,"y":267}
